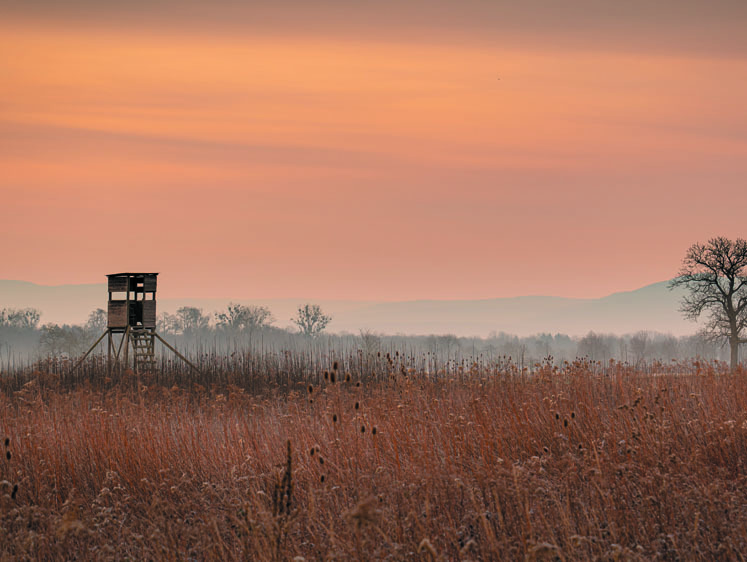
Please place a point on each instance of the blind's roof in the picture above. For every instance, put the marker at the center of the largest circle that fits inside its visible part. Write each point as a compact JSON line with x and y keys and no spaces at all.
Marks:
{"x":130,"y":274}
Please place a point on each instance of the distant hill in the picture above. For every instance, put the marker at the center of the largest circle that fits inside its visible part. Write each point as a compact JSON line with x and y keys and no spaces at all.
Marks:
{"x":653,"y":307}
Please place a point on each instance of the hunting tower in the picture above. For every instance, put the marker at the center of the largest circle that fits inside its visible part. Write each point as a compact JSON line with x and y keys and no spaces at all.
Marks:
{"x":132,"y":312}
{"x":131,"y":319}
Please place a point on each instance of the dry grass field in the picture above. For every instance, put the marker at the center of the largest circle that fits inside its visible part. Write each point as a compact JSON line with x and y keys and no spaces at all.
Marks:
{"x":578,"y":463}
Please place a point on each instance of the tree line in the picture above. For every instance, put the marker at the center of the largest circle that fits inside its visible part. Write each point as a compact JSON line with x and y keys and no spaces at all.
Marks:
{"x":21,"y":330}
{"x":240,"y":327}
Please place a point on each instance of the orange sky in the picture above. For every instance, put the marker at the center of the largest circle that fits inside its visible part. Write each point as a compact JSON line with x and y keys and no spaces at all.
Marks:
{"x":306,"y":163}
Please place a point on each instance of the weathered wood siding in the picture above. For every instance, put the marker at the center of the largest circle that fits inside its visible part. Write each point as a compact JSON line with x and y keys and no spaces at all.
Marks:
{"x":149,"y":314}
{"x":117,"y":284}
{"x":117,"y":314}
{"x":149,"y":283}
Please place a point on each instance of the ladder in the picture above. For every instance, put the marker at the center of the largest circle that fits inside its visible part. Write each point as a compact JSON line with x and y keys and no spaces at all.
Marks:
{"x":143,"y":346}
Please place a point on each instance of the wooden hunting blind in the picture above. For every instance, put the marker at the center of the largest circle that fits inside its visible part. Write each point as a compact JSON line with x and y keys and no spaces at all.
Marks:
{"x":131,"y":316}
{"x":132,"y":300}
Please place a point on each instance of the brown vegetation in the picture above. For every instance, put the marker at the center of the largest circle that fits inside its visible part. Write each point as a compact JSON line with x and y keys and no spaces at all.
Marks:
{"x":571,"y":464}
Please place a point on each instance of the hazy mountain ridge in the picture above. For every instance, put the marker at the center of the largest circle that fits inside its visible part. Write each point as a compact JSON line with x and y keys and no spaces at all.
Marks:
{"x":653,"y":307}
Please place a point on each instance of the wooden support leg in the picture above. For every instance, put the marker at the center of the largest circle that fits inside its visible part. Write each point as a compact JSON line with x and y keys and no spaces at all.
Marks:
{"x":127,"y":349}
{"x":179,"y":355}
{"x":109,"y":355}
{"x":123,"y":343}
{"x":78,"y":364}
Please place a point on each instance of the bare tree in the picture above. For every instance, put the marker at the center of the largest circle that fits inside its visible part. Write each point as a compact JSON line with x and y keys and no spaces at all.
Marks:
{"x":97,"y":321}
{"x":310,"y":319}
{"x":242,"y":318}
{"x":191,"y":320}
{"x":257,"y":317}
{"x":639,"y":345}
{"x":371,"y":342}
{"x":168,"y":323}
{"x":20,"y":318}
{"x":715,"y":276}
{"x":63,"y":340}
{"x":594,"y":347}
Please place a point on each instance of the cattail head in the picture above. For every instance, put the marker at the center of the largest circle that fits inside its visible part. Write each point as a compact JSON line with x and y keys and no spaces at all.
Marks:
{"x":7,"y":441}
{"x":557,"y":416}
{"x":321,"y":478}
{"x":8,"y":455}
{"x":335,"y":366}
{"x":347,"y":377}
{"x":363,"y":429}
{"x":357,"y":405}
{"x":321,"y":460}
{"x":334,"y":418}
{"x":311,"y":389}
{"x":373,"y":430}
{"x":332,"y":377}
{"x":14,"y":492}
{"x":358,"y":384}
{"x":573,"y":415}
{"x":565,"y":423}
{"x":326,"y":375}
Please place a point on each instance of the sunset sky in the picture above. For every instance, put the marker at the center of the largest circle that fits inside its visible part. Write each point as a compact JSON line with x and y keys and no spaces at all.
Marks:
{"x":383,"y":150}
